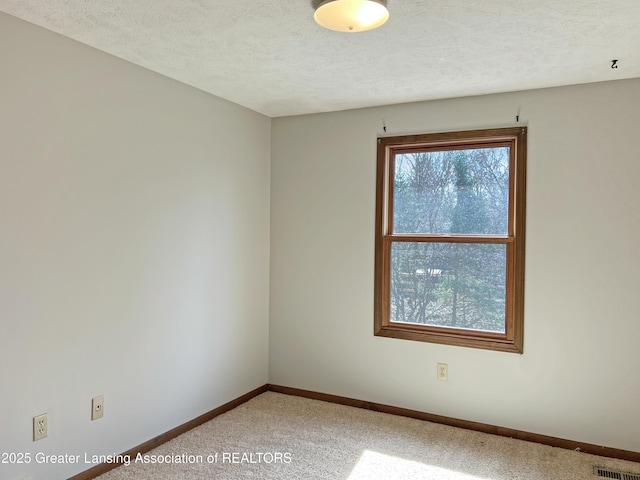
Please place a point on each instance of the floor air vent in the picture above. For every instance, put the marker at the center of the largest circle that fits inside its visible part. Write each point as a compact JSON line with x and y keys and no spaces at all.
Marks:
{"x":606,"y":473}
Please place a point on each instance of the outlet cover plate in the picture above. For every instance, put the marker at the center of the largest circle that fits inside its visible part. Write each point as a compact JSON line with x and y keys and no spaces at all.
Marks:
{"x":443,"y":372}
{"x":97,"y":407}
{"x":40,"y":427}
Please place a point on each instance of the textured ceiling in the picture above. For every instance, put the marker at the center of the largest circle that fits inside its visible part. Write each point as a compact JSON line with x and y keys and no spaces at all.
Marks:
{"x":270,"y":56}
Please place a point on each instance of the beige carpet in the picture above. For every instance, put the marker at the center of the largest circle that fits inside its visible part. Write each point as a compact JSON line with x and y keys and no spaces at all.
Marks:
{"x":283,"y":437}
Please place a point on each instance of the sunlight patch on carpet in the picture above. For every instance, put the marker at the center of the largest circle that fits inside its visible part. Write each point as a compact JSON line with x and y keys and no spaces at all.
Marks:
{"x":379,"y":466}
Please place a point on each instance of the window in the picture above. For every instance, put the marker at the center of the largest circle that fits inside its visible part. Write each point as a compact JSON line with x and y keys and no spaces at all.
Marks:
{"x":449,"y":252}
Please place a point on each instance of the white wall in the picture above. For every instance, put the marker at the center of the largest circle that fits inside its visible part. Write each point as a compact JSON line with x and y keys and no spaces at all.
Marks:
{"x":578,"y":377}
{"x":134,"y":246}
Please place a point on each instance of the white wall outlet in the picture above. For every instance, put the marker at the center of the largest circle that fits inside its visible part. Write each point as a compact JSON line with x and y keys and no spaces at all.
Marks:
{"x":443,"y":372}
{"x":97,"y":407}
{"x":40,"y":427}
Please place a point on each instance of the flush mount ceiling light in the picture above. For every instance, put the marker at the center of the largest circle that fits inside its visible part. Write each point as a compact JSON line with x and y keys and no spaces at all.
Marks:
{"x":351,"y":15}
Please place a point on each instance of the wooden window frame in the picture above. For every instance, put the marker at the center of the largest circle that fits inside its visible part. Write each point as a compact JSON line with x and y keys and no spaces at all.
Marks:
{"x":512,"y":339}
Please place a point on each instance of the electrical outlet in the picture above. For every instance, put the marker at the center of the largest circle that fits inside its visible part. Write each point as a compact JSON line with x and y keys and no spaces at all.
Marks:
{"x":443,"y":372}
{"x":40,"y":427}
{"x":97,"y":407}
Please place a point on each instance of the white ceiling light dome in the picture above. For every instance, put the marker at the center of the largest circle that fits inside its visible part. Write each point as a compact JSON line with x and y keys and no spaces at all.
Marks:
{"x":351,"y":15}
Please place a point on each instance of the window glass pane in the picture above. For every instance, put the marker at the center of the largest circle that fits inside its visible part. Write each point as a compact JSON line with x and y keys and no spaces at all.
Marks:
{"x":455,"y":285}
{"x":452,"y":191}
